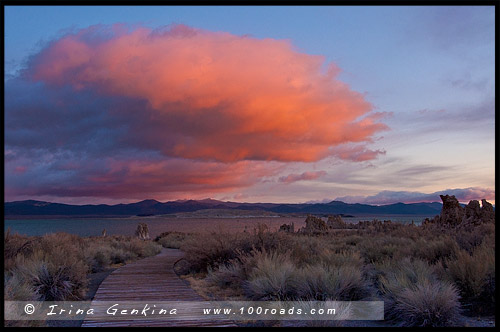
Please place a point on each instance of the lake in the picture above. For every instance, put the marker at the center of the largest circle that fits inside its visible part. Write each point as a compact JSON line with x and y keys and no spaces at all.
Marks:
{"x":157,"y":225}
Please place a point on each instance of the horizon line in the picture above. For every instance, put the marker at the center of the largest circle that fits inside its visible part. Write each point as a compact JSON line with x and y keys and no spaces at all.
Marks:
{"x":225,"y":201}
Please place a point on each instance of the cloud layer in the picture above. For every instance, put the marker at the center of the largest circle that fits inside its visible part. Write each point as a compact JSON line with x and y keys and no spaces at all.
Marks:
{"x":132,"y":111}
{"x":390,"y":197}
{"x":301,"y":177}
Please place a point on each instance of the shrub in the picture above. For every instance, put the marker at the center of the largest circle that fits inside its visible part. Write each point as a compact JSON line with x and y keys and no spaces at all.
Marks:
{"x":58,"y":280}
{"x":271,"y":277}
{"x":204,"y":251}
{"x":117,"y":250}
{"x":150,"y":248}
{"x":55,"y":266}
{"x":211,"y":250}
{"x":474,"y":274}
{"x":429,"y":304}
{"x":17,"y":289}
{"x":321,"y":282}
{"x":435,"y":250}
{"x":98,"y":257}
{"x":414,"y":296}
{"x":171,"y":239}
{"x":226,"y":275}
{"x":469,"y":238}
{"x":379,"y":249}
{"x":15,"y":245}
{"x":306,"y":249}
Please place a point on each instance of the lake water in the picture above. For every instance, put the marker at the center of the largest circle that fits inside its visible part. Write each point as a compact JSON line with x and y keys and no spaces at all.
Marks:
{"x":157,"y":225}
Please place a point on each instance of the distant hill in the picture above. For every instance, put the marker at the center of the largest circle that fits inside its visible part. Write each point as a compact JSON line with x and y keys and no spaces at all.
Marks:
{"x":153,"y":207}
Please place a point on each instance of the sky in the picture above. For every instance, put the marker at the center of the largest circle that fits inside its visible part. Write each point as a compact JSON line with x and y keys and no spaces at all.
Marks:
{"x":362,"y":104}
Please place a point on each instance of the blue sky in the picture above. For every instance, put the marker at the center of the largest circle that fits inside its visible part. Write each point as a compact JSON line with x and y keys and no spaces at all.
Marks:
{"x":430,"y":70}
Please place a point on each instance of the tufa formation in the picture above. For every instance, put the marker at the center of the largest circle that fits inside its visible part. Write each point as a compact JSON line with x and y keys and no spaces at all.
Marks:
{"x":142,"y":231}
{"x":453,"y":214}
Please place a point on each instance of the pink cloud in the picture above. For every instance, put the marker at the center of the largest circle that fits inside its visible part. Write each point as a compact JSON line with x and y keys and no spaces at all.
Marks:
{"x":301,"y":177}
{"x":356,"y":152}
{"x":20,"y":169}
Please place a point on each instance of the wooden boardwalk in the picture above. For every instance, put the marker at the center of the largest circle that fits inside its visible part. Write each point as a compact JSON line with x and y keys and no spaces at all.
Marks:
{"x":150,"y":279}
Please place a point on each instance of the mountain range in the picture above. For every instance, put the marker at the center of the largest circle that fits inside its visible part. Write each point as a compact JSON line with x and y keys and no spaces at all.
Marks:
{"x":153,"y":207}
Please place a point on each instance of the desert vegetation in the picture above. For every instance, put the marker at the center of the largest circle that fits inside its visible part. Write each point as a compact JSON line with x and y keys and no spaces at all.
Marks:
{"x":429,"y":275}
{"x":56,"y":267}
{"x":435,"y":274}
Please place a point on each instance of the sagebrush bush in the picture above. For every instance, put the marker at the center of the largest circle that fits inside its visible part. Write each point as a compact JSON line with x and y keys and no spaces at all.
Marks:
{"x":56,"y":266}
{"x":171,"y":239}
{"x":211,"y":250}
{"x":414,"y":296}
{"x":204,"y":251}
{"x":430,"y":304}
{"x":321,"y":282}
{"x":380,"y":249}
{"x":15,"y":245}
{"x":226,"y":275}
{"x":435,"y":250}
{"x":272,"y":276}
{"x":16,"y":289}
{"x":474,"y":275}
{"x":469,"y":238}
{"x":54,"y":275}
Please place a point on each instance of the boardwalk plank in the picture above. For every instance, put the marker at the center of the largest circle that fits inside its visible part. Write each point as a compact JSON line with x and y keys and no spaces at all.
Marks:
{"x":150,"y":279}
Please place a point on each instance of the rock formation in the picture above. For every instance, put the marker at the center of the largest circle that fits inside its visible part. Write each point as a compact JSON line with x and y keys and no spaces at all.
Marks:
{"x":452,"y":214}
{"x":487,"y":212}
{"x":289,"y":228}
{"x":142,"y":231}
{"x":472,"y":213}
{"x":336,"y":222}
{"x":314,"y":225}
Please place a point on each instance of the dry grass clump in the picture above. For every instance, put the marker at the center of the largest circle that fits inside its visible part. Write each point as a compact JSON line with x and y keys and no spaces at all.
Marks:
{"x":414,"y":296}
{"x":54,"y":276}
{"x":468,"y":239}
{"x":321,"y":282}
{"x":14,"y":245}
{"x":474,"y":275}
{"x":55,"y":267}
{"x":229,"y":275}
{"x":171,"y":239}
{"x":381,"y":248}
{"x":205,"y":251}
{"x":16,"y":289}
{"x":210,"y":251}
{"x":105,"y":251}
{"x":435,"y":250}
{"x":270,"y":276}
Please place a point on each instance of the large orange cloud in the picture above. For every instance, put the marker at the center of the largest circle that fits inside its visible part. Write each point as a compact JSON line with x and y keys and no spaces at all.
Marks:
{"x":214,"y":95}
